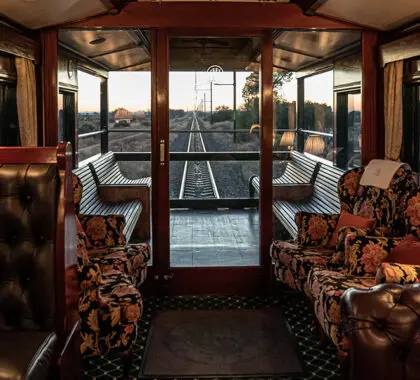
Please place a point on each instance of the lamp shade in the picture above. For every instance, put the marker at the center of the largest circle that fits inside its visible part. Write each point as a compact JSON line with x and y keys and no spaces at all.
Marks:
{"x":287,"y":139}
{"x":314,"y":144}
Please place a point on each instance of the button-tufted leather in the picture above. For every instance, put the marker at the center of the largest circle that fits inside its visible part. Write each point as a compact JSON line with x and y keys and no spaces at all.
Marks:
{"x":383,"y":326}
{"x":28,"y":206}
{"x":27,"y":231}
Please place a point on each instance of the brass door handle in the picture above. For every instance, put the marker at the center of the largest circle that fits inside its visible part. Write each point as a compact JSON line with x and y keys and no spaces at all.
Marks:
{"x":162,"y":152}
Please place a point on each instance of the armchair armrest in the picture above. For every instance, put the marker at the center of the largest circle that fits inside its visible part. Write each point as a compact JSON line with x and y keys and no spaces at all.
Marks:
{"x":103,"y":231}
{"x":315,"y":229}
{"x":292,"y":192}
{"x":382,"y":325}
{"x":394,"y":273}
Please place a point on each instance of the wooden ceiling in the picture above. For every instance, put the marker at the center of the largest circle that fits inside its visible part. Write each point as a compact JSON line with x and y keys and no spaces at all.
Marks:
{"x":129,"y":49}
{"x":379,"y":14}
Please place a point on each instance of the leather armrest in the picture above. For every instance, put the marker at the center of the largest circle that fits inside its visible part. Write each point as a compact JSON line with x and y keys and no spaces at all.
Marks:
{"x":293,"y":192}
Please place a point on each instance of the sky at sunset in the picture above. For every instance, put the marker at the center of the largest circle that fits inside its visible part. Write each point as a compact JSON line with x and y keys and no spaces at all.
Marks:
{"x":132,"y":90}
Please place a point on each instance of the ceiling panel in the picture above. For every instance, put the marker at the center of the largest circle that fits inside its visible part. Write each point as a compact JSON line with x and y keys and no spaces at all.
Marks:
{"x":124,"y":58}
{"x":39,"y":13}
{"x":80,"y":40}
{"x":285,"y":59}
{"x":381,"y":14}
{"x":317,"y":44}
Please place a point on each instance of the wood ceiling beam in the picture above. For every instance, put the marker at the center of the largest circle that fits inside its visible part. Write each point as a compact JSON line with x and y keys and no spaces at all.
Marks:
{"x":213,"y":15}
{"x":282,"y":68}
{"x":142,"y":62}
{"x":296,"y":51}
{"x":309,"y":7}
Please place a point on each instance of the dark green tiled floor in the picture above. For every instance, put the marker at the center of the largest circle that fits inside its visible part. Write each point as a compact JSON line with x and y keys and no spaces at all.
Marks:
{"x":320,"y":363}
{"x":214,"y":238}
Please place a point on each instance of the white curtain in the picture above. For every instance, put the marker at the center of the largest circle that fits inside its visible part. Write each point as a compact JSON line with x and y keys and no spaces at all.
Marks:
{"x":26,"y":101}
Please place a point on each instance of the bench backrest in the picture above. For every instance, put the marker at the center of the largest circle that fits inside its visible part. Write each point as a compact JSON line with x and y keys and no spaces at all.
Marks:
{"x":325,"y":194}
{"x":90,"y":189}
{"x":299,"y":169}
{"x":105,"y":166}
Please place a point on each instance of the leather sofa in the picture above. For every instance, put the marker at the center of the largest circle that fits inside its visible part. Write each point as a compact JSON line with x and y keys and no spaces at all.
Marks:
{"x":383,"y":328}
{"x":37,"y":319}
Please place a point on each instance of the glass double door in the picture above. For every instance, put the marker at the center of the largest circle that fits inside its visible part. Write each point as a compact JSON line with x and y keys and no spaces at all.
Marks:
{"x":209,"y":144}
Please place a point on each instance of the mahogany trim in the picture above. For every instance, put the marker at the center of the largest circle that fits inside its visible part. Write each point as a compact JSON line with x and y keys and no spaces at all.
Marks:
{"x":210,"y":15}
{"x":372,"y":99}
{"x":266,"y":150}
{"x":160,"y":131}
{"x":49,"y":86}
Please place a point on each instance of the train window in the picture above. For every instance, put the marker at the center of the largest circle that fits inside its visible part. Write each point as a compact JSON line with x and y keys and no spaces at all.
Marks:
{"x":89,"y":116}
{"x":318,"y":119}
{"x":9,"y":124}
{"x":411,"y":126}
{"x":348,"y":130}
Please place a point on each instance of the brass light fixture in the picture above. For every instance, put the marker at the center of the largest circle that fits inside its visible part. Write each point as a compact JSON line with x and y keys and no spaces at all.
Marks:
{"x":287,"y":140}
{"x":314,"y":144}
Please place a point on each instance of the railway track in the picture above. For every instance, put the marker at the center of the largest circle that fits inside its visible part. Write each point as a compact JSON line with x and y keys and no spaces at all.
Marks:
{"x":197,"y":179}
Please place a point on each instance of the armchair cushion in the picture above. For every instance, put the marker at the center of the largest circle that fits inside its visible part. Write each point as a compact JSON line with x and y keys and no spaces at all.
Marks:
{"x":363,"y":254}
{"x":315,"y":229}
{"x":393,"y":273}
{"x":103,"y":231}
{"x":347,"y":219}
{"x":407,"y":251}
{"x":26,"y":354}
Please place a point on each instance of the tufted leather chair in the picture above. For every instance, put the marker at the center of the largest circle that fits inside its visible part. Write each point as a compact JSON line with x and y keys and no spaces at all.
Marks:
{"x":32,"y":271}
{"x":383,"y":326}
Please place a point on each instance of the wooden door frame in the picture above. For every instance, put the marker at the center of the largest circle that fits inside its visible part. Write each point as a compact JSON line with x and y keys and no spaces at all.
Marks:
{"x":209,"y":280}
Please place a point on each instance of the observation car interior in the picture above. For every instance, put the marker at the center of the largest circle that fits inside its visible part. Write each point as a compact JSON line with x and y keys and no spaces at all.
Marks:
{"x":198,"y":189}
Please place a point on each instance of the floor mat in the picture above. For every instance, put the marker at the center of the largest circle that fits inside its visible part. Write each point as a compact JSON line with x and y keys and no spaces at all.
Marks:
{"x":207,"y":343}
{"x":320,"y":362}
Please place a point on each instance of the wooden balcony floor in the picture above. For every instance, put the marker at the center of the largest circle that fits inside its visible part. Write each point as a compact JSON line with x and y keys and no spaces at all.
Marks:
{"x":214,"y":238}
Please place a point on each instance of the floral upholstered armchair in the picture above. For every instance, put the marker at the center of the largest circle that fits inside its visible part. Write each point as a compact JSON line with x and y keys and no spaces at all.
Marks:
{"x":293,"y":260}
{"x":367,"y":262}
{"x":110,"y":273}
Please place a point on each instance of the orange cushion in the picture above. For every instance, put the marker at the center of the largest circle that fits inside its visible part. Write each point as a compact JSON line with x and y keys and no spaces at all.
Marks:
{"x":79,"y":227}
{"x":350,"y":220}
{"x":406,"y":252}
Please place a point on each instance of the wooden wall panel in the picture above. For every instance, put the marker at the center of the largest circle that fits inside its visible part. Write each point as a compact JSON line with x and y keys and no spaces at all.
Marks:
{"x":67,"y":71}
{"x":372,"y":99}
{"x":15,"y":43}
{"x":49,"y":86}
{"x":7,"y":67}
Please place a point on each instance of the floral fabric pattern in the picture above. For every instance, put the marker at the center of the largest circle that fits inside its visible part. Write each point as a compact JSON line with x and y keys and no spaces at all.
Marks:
{"x":387,"y":206}
{"x":363,"y":254}
{"x":413,"y":214}
{"x":325,"y":289}
{"x":393,"y":273}
{"x":347,"y":188}
{"x":315,"y":229}
{"x":103,"y":231}
{"x":77,"y":192}
{"x":293,"y":262}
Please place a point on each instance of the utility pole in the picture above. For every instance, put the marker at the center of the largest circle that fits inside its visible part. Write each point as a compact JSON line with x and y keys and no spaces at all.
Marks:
{"x":234,"y":106}
{"x":205,"y":103}
{"x":211,"y":102}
